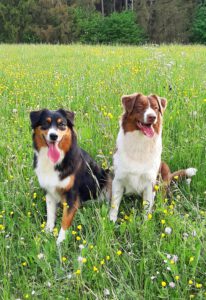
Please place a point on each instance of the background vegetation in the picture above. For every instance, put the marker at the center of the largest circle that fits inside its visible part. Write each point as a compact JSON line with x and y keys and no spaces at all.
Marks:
{"x":102,"y":21}
{"x":133,"y":259}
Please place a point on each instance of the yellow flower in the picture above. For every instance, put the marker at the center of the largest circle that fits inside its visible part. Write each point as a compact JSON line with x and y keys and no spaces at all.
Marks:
{"x":198,"y":285}
{"x":2,"y":227}
{"x":42,"y":225}
{"x":64,"y":258}
{"x":163,"y":222}
{"x":91,"y":247}
{"x":165,"y":211}
{"x":156,"y":188}
{"x":79,"y":227}
{"x":78,"y":238}
{"x":149,"y":217}
{"x":204,"y":100}
{"x":55,"y":231}
{"x":172,"y":262}
{"x":95,"y":269}
{"x":190,"y":282}
{"x":163,"y":235}
{"x":84,"y":260}
{"x":177,"y":277}
{"x":176,"y":177}
{"x":84,"y":242}
{"x":34,"y":195}
{"x":102,"y":262}
{"x":126,"y":217}
{"x":192,"y":296}
{"x":145,"y":203}
{"x":78,"y":272}
{"x":24,"y":264}
{"x":163,"y":284}
{"x":107,"y":257}
{"x":192,"y":259}
{"x":171,"y":206}
{"x":64,"y":204}
{"x":74,"y":232}
{"x":29,"y":214}
{"x":26,"y":296}
{"x":119,"y":252}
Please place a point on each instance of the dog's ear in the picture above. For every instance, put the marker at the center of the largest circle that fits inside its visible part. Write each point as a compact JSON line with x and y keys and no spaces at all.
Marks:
{"x":35,"y":117}
{"x":128,"y":102}
{"x":69,"y":116}
{"x":162,"y":102}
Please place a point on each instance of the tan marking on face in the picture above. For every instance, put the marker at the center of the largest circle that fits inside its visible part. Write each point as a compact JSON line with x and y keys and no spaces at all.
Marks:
{"x":39,"y":137}
{"x":155,"y":106}
{"x":48,"y":120}
{"x":68,"y":214}
{"x":65,"y":139}
{"x":59,"y":120}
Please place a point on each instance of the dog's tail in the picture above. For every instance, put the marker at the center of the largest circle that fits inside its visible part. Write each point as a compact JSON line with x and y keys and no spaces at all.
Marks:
{"x":167,"y":176}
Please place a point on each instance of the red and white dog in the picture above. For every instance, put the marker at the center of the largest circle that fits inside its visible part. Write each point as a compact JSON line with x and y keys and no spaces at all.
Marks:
{"x":137,"y":160}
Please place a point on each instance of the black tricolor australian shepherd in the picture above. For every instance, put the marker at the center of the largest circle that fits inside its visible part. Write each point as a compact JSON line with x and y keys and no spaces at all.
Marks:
{"x":66,"y":172}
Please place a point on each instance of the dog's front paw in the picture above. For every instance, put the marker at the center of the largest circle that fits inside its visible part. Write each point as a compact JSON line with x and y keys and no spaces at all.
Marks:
{"x":113,"y":215}
{"x":49,"y":227}
{"x":61,"y":236}
{"x":191,"y":172}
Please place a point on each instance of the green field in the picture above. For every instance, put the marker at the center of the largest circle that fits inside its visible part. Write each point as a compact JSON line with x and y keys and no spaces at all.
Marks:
{"x":132,"y":259}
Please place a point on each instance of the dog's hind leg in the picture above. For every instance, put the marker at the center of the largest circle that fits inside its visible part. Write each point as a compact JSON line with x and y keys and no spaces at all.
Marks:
{"x":117,"y":192}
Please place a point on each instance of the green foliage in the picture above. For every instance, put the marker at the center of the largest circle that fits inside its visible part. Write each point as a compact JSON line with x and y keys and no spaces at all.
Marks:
{"x":199,"y":25}
{"x":118,"y":28}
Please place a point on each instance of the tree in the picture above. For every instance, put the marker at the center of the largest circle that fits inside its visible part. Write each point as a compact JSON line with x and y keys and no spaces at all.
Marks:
{"x":199,"y":25}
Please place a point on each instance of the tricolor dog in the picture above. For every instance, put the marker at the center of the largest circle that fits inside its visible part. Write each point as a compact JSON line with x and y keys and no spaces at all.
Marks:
{"x":66,"y":172}
{"x":137,"y":160}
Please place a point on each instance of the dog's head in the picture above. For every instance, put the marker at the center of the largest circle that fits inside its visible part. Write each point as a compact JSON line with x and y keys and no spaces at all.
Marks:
{"x":143,"y":113}
{"x":52,"y":129}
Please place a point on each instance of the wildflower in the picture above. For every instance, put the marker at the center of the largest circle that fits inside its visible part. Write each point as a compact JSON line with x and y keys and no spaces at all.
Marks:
{"x":172,"y":262}
{"x":165,"y":211}
{"x":163,"y":284}
{"x":149,"y":217}
{"x":81,"y":246}
{"x":107,"y":257}
{"x":168,"y":256}
{"x":188,"y":181}
{"x":91,"y":247}
{"x":153,"y":277}
{"x":175,"y":258}
{"x":24,"y":264}
{"x":64,"y":204}
{"x":190,"y":282}
{"x":168,"y":269}
{"x":79,"y":227}
{"x":55,"y":231}
{"x":156,"y":188}
{"x":2,"y":227}
{"x":168,"y":230}
{"x":192,"y":259}
{"x":176,"y":177}
{"x":74,"y":232}
{"x":102,"y":262}
{"x":110,"y":115}
{"x":64,"y":258}
{"x":40,"y":256}
{"x":163,"y":235}
{"x":194,"y":233}
{"x":106,"y":292}
{"x":198,"y":285}
{"x":78,"y":238}
{"x":78,"y":272}
{"x":171,"y":206}
{"x":84,"y":242}
{"x":49,"y":284}
{"x":26,"y":296}
{"x":29,"y":214}
{"x":163,"y":222}
{"x":95,"y":269}
{"x":34,"y":195}
{"x":177,"y":277}
{"x":84,"y":260}
{"x":119,"y":252}
{"x":172,"y":284}
{"x":43,"y":225}
{"x":192,"y":296}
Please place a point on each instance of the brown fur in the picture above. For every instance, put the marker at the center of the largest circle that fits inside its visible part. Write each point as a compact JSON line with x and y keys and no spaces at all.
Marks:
{"x":69,"y":213}
{"x":166,"y":174}
{"x":61,"y":191}
{"x":39,"y":137}
{"x":66,"y":139}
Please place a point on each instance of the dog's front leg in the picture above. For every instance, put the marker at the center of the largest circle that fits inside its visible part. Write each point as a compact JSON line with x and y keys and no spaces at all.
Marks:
{"x":148,"y":196}
{"x":117,"y":192}
{"x":68,"y":215}
{"x":51,"y":207}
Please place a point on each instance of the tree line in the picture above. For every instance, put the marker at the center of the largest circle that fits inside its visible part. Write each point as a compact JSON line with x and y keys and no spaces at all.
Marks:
{"x":102,"y":21}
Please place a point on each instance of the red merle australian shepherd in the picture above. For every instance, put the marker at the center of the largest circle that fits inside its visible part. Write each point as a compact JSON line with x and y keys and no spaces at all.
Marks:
{"x":137,"y":160}
{"x":65,"y":171}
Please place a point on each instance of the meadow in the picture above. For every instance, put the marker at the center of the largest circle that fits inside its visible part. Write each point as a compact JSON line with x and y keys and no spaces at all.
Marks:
{"x":135,"y":258}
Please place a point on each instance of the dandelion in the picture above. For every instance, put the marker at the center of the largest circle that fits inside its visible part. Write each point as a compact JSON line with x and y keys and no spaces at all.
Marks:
{"x":64,"y":258}
{"x":172,"y":262}
{"x":84,"y":242}
{"x":149,"y":217}
{"x":198,"y":285}
{"x":190,"y":282}
{"x":172,"y":284}
{"x":110,"y":115}
{"x":168,"y":230}
{"x":74,"y":232}
{"x":102,"y":262}
{"x":34,"y":195}
{"x":40,"y":256}
{"x":29,"y":214}
{"x":95,"y":269}
{"x":78,"y":238}
{"x":163,"y":222}
{"x":176,"y":177}
{"x":156,"y":188}
{"x":107,"y":257}
{"x":2,"y":227}
{"x":24,"y":264}
{"x":64,"y":204}
{"x":192,"y":259}
{"x":78,"y":272}
{"x":26,"y":296}
{"x":43,"y":225}
{"x":177,"y":277}
{"x":119,"y":252}
{"x":81,"y":246}
{"x":163,"y":283}
{"x":165,"y":211}
{"x":79,"y":227}
{"x":55,"y":231}
{"x":91,"y":247}
{"x":175,"y":258}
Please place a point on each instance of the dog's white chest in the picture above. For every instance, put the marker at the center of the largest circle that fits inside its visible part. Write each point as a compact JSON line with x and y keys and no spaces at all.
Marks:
{"x":47,"y":175}
{"x":137,"y":160}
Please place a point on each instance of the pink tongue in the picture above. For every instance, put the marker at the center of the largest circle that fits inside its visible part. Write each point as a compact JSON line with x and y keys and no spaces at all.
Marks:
{"x":53,"y":153}
{"x":147,"y":130}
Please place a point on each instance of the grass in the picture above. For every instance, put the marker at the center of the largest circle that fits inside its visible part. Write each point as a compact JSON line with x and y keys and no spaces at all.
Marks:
{"x":132,"y":259}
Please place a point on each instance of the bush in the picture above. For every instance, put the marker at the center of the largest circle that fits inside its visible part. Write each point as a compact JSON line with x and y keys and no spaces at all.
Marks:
{"x":118,"y":28}
{"x":199,"y":25}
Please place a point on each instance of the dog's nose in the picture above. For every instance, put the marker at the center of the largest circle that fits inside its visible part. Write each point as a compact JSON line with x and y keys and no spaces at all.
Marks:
{"x":53,"y":136}
{"x":151,"y":118}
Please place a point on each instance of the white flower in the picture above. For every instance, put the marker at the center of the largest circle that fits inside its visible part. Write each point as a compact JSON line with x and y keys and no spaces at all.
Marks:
{"x":106,"y":292}
{"x":81,"y":246}
{"x":69,"y":276}
{"x":185,"y":235}
{"x":172,"y":284}
{"x":49,"y":284}
{"x":80,"y":259}
{"x":188,"y":181}
{"x":33,"y":292}
{"x":40,"y":256}
{"x":153,"y":277}
{"x":168,"y":269}
{"x":165,"y":261}
{"x":194,"y":233}
{"x":168,"y":256}
{"x":175,"y":258}
{"x":168,"y":230}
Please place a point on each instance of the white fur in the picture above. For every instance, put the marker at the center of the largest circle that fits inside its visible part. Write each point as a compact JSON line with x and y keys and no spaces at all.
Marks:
{"x":191,"y":172}
{"x":151,"y":112}
{"x":136,"y":165}
{"x":49,"y":180}
{"x":61,"y":236}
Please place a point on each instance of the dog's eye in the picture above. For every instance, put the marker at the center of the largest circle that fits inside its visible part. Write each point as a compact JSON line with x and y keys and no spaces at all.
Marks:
{"x":45,"y":125}
{"x":61,"y":126}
